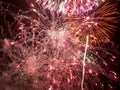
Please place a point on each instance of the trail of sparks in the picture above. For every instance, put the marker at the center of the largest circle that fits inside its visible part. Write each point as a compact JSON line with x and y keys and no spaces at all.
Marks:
{"x":83,"y":68}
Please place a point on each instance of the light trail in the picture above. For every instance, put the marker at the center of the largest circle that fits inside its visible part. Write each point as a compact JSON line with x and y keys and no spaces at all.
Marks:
{"x":83,"y":68}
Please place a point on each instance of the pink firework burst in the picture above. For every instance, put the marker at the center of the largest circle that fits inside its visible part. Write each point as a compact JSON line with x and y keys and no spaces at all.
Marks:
{"x":39,"y":50}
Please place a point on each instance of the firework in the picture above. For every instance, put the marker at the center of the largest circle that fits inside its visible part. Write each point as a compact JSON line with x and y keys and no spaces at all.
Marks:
{"x":99,"y":23}
{"x":97,"y":19}
{"x":43,"y":52}
{"x":70,"y":7}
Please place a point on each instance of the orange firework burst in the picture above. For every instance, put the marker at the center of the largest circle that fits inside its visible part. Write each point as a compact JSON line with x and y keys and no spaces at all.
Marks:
{"x":98,"y":23}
